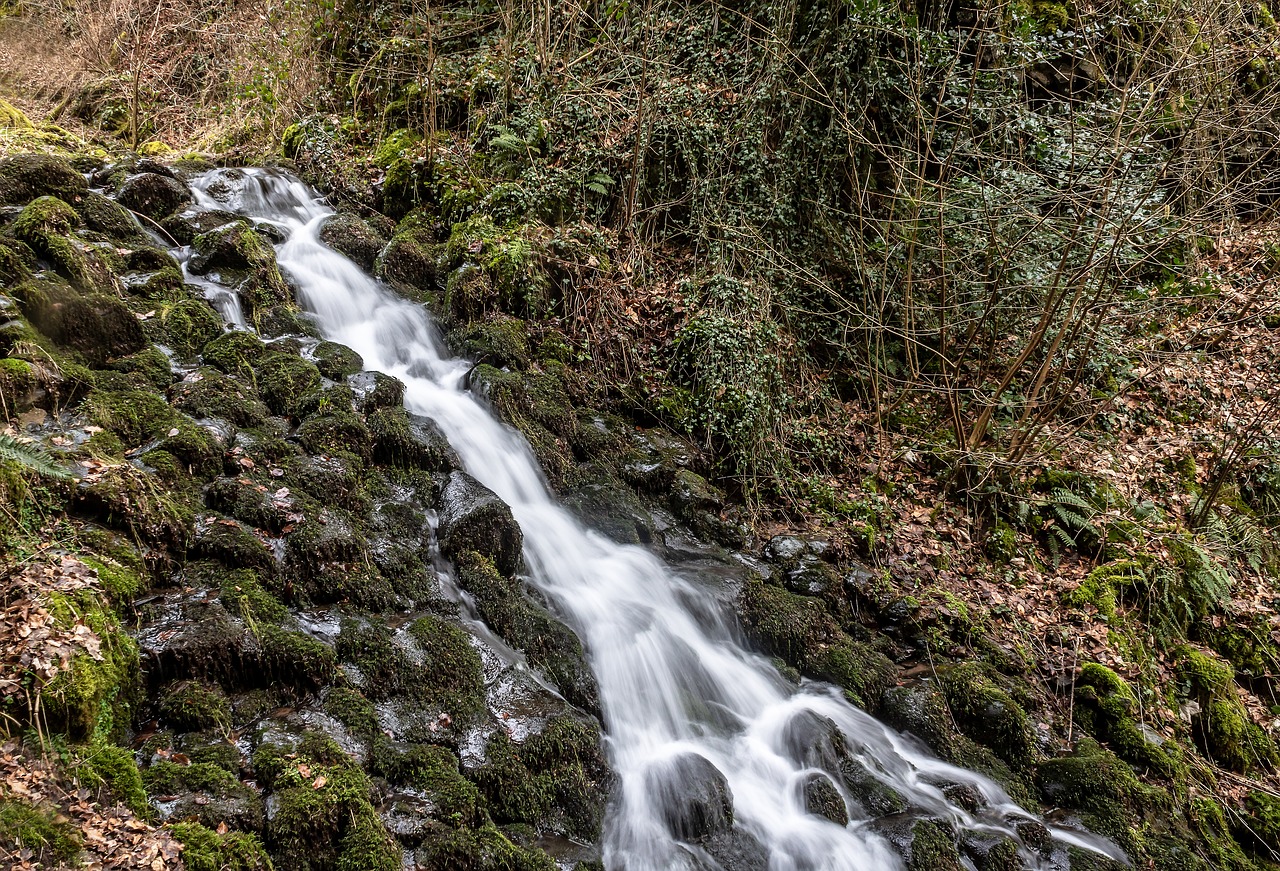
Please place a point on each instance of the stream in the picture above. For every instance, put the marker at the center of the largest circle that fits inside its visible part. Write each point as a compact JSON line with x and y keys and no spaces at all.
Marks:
{"x":679,"y":691}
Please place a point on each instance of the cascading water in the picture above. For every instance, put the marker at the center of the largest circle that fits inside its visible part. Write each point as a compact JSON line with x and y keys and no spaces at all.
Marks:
{"x":673,"y":679}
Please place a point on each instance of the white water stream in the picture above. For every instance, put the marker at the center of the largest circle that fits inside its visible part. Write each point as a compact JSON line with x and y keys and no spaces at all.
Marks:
{"x":670,"y":683}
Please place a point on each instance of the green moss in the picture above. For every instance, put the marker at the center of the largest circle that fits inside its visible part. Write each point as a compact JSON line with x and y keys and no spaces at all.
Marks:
{"x":242,"y":593}
{"x":336,"y":361}
{"x":215,"y":395}
{"x":801,"y":631}
{"x":434,"y":770}
{"x":1103,"y":789}
{"x":12,"y":116}
{"x":188,"y":326}
{"x":988,"y":714}
{"x":23,"y":177}
{"x":296,"y":659}
{"x":121,"y":582}
{"x":1106,"y":706}
{"x":237,"y":353}
{"x":549,"y":645}
{"x":95,"y":325}
{"x":167,"y":778}
{"x":340,"y":431}
{"x":206,"y":850}
{"x":193,"y":707}
{"x":399,"y":439}
{"x":500,"y":340}
{"x":238,"y":252}
{"x":1222,"y":728}
{"x":484,"y":848}
{"x":106,"y":766}
{"x":352,"y":710}
{"x":44,"y":831}
{"x":150,"y":364}
{"x":93,"y":695}
{"x":933,"y":847}
{"x":140,"y":416}
{"x":283,"y":379}
{"x":326,"y":823}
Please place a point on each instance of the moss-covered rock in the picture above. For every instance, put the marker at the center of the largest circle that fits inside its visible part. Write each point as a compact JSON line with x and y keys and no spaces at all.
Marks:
{"x":237,"y":353}
{"x":353,"y":237}
{"x":206,"y":850}
{"x":96,"y":325}
{"x":473,"y":518}
{"x":104,"y":215}
{"x":1222,"y":727}
{"x":410,"y":261}
{"x":373,"y":391}
{"x":324,"y":818}
{"x":336,"y":361}
{"x":1106,"y":706}
{"x":236,"y":251}
{"x":207,"y":393}
{"x":1104,"y":790}
{"x":800,"y":630}
{"x":501,"y":341}
{"x":404,"y":439}
{"x":339,"y":431}
{"x":153,"y":194}
{"x":988,"y":714}
{"x":128,"y":498}
{"x":188,"y":326}
{"x":526,"y":624}
{"x":191,"y":706}
{"x":23,"y":177}
{"x":107,"y":768}
{"x":284,"y":379}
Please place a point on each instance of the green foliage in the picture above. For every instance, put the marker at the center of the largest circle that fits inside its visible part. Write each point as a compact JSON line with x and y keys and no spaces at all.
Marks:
{"x":31,"y":458}
{"x":40,"y":830}
{"x":206,"y":850}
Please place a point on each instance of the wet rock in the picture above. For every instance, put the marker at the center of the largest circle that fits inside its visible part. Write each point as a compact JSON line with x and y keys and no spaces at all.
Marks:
{"x":23,"y":177}
{"x":186,"y":327}
{"x":873,"y":795}
{"x":823,"y":799}
{"x":990,"y":852}
{"x":692,"y":795}
{"x":527,"y":624}
{"x":240,"y":255}
{"x":925,"y":844}
{"x":339,"y":431}
{"x":336,"y":480}
{"x":813,"y":741}
{"x":404,"y":439}
{"x":473,"y":518}
{"x":207,"y":393}
{"x":963,"y":795}
{"x":811,"y":577}
{"x":153,"y":194}
{"x":259,"y":505}
{"x":736,"y":849}
{"x":498,"y":340}
{"x":1034,"y":834}
{"x":284,"y":380}
{"x":354,"y":238}
{"x":186,"y":225}
{"x":613,"y":510}
{"x":231,"y":543}
{"x":411,"y":259}
{"x":374,"y":390}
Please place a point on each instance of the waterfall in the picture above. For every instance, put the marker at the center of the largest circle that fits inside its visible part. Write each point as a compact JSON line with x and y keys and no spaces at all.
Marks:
{"x":673,"y":678}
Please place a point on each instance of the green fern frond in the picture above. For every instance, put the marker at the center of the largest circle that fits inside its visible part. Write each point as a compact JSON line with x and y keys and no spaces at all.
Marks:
{"x":31,"y":458}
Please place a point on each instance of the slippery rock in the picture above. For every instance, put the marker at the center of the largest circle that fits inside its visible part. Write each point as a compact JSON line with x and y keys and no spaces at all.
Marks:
{"x":404,"y":439}
{"x":153,"y":195}
{"x":823,"y":799}
{"x":693,"y":796}
{"x":24,"y":177}
{"x":473,"y":518}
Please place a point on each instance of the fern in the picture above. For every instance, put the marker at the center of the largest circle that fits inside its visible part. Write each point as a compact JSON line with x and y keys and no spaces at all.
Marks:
{"x":30,"y":458}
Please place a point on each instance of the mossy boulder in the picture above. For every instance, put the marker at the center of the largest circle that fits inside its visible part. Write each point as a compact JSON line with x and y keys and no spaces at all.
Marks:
{"x":801,"y":631}
{"x":23,"y":177}
{"x":237,"y":353}
{"x":104,"y":215}
{"x":985,"y":712}
{"x":187,"y":327}
{"x":153,"y":194}
{"x":354,"y":238}
{"x":1222,"y":727}
{"x":925,"y":844}
{"x":324,"y":818}
{"x":409,"y":440}
{"x":204,"y":793}
{"x":473,"y":518}
{"x":41,"y":829}
{"x":284,"y":379}
{"x":526,"y":624}
{"x":13,"y":117}
{"x":191,"y":706}
{"x":339,"y":431}
{"x":239,"y":253}
{"x":207,"y":393}
{"x":558,"y":781}
{"x":411,"y":261}
{"x":335,"y":361}
{"x":500,"y":340}
{"x":1102,"y":788}
{"x":374,"y":390}
{"x":97,"y":326}
{"x":1106,"y":706}
{"x":131,"y":499}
